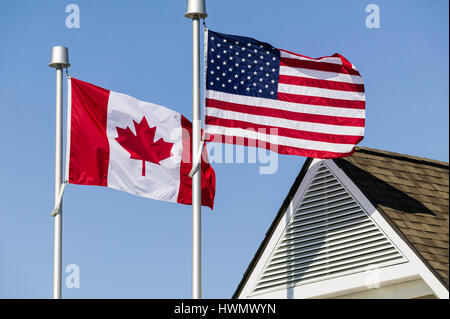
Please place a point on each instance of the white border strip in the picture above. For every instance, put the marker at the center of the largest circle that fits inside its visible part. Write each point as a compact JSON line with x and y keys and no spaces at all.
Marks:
{"x":322,"y":93}
{"x":321,"y":75}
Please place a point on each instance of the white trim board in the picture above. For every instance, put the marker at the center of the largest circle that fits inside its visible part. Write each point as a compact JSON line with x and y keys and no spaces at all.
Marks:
{"x":345,"y":285}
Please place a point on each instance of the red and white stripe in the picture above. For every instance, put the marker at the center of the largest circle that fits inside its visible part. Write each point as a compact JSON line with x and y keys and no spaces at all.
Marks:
{"x":319,"y":111}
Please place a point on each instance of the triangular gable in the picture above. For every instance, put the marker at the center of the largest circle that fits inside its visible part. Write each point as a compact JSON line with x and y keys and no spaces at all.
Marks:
{"x":328,"y":237}
{"x":329,"y":234}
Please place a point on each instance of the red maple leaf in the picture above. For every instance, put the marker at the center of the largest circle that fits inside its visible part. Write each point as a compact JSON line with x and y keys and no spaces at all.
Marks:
{"x":142,"y":145}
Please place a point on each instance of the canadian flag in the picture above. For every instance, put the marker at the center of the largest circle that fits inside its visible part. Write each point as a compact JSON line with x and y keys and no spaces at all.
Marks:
{"x":133,"y":146}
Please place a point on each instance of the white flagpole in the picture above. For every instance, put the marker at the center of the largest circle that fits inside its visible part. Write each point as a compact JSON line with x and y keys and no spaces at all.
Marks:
{"x":59,"y":60}
{"x":196,"y":10}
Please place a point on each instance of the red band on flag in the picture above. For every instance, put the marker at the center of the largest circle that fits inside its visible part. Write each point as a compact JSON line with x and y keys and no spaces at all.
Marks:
{"x":89,"y":147}
{"x":280,"y":131}
{"x":282,"y":114}
{"x":323,"y":101}
{"x":319,"y":66}
{"x":208,"y":177}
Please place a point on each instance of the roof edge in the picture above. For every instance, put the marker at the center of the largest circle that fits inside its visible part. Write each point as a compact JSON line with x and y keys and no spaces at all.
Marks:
{"x":410,"y":158}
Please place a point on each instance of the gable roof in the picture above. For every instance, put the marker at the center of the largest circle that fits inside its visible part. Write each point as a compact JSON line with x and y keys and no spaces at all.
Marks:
{"x":411,"y":193}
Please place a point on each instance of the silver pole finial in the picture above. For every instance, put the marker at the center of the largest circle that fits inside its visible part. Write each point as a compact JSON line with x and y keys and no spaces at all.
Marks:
{"x":196,"y":9}
{"x":60,"y":58}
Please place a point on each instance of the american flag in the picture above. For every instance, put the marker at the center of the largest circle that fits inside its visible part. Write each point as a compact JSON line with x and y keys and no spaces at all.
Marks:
{"x":258,"y":95}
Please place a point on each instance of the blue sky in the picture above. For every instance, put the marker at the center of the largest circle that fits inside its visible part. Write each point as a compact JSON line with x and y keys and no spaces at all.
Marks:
{"x":132,"y":247}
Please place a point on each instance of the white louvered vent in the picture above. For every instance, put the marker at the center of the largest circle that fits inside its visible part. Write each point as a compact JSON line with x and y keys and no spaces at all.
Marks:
{"x":328,"y":235}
